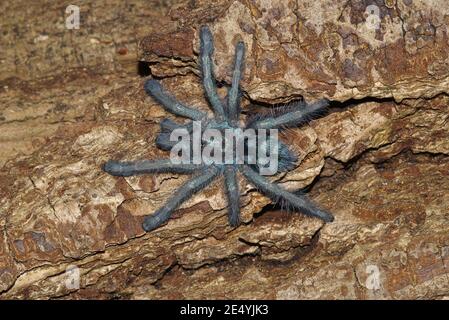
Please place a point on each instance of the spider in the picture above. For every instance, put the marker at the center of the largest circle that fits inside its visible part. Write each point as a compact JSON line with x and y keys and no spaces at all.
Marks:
{"x":225,"y":116}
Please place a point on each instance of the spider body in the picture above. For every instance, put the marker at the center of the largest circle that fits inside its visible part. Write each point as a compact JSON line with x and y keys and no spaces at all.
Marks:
{"x":225,"y":120}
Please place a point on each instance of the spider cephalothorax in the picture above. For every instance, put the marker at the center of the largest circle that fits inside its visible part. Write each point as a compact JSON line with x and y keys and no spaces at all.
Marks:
{"x":225,"y":118}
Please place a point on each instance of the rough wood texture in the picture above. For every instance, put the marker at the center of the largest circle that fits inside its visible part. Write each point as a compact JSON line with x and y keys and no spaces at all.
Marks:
{"x":72,"y":99}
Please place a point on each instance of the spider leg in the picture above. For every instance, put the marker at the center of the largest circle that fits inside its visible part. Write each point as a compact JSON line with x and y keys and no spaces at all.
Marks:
{"x":293,"y":118}
{"x":130,"y":168}
{"x":206,"y":50}
{"x":275,"y":192}
{"x":168,"y":125}
{"x":154,"y":89}
{"x":232,"y":191}
{"x":234,"y":94}
{"x":163,"y":141}
{"x":286,"y":159}
{"x":184,"y":192}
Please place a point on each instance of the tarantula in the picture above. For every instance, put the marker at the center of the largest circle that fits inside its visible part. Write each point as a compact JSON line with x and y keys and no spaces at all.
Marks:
{"x":225,"y":117}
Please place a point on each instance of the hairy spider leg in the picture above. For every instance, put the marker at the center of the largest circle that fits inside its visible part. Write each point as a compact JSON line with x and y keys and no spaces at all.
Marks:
{"x":276,"y":193}
{"x":168,"y":125}
{"x":234,"y":92}
{"x":188,"y":189}
{"x":294,"y":117}
{"x":163,"y":141}
{"x":233,"y":193}
{"x":130,"y":168}
{"x":206,"y":50}
{"x":153,"y":88}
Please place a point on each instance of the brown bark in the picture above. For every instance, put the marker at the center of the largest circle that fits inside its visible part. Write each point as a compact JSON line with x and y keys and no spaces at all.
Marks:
{"x":72,"y":99}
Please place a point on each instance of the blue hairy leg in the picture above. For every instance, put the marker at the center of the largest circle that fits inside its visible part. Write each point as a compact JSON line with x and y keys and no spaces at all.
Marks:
{"x":131,"y":168}
{"x":295,"y":117}
{"x":206,"y":50}
{"x":234,"y":92}
{"x":276,"y":193}
{"x":233,"y":193}
{"x":185,"y":192}
{"x":154,"y":89}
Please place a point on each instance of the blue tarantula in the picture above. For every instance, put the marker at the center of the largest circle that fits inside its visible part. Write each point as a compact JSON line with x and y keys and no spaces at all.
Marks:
{"x":225,"y":117}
